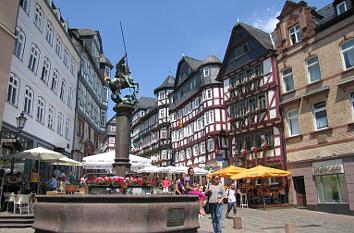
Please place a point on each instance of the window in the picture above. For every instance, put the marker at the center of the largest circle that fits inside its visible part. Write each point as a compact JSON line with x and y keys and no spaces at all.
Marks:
{"x":45,"y":70}
{"x":162,"y":113}
{"x":72,"y":66}
{"x":66,"y":55}
{"x":62,"y":90}
{"x":49,"y":33}
{"x":293,"y":122}
{"x":55,"y":79}
{"x":13,"y":89}
{"x":67,"y":129}
{"x":51,"y":114}
{"x":331,"y":188}
{"x":70,"y":96}
{"x":27,"y":107}
{"x":25,"y":4}
{"x":202,"y":148}
{"x":103,"y":120}
{"x":163,"y":133}
{"x":161,"y":95}
{"x":40,"y":109}
{"x":320,"y":115}
{"x":209,"y":94}
{"x":206,"y":72}
{"x":34,"y":58}
{"x":288,"y":80}
{"x":295,"y":34}
{"x":352,"y":102}
{"x":347,"y":49}
{"x":58,"y":46}
{"x":211,"y":116}
{"x":196,"y":150}
{"x":60,"y":124}
{"x":313,"y":69}
{"x":38,"y":17}
{"x":241,"y":50}
{"x":20,"y":43}
{"x":341,"y":8}
{"x":210,"y":144}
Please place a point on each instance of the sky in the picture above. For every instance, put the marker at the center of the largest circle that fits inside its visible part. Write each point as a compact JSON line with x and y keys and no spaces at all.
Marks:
{"x":158,"y":32}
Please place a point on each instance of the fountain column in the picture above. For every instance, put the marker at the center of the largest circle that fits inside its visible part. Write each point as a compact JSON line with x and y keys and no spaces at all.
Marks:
{"x":122,"y":144}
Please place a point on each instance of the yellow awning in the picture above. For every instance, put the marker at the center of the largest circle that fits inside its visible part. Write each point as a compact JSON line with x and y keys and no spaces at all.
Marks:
{"x":260,"y":172}
{"x":227,"y":171}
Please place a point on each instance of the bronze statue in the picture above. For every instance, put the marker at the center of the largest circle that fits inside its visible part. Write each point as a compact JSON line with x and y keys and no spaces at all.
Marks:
{"x":123,"y":80}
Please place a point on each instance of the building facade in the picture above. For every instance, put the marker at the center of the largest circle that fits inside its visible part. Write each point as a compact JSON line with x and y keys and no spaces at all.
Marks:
{"x":251,"y":95}
{"x":198,"y":116}
{"x":110,"y":137}
{"x":151,"y":135}
{"x":8,"y":19}
{"x":92,"y":93}
{"x":43,"y":78}
{"x":316,"y":64}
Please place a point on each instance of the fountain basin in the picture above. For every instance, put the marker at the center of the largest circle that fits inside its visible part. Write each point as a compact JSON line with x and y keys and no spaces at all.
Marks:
{"x":116,"y":213}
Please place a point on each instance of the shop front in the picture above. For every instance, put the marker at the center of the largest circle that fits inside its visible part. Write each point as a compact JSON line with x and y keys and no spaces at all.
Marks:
{"x":325,"y":185}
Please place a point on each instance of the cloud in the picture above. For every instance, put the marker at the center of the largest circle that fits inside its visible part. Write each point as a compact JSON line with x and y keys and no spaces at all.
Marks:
{"x":267,"y":24}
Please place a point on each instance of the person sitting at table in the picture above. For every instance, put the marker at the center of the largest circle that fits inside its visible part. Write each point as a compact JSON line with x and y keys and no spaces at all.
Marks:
{"x":52,"y":184}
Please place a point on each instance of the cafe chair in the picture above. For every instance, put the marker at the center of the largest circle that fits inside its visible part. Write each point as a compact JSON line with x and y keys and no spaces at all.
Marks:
{"x":23,"y":203}
{"x":10,"y":198}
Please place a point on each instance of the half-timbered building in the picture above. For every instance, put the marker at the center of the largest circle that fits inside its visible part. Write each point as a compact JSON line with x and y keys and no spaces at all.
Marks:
{"x":251,"y":95}
{"x":198,"y":118}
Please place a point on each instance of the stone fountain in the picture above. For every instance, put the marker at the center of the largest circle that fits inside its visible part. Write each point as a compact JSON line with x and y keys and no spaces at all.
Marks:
{"x":117,"y":213}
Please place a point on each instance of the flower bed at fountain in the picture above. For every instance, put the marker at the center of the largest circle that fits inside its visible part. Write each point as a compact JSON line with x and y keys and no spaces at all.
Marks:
{"x":120,"y":185}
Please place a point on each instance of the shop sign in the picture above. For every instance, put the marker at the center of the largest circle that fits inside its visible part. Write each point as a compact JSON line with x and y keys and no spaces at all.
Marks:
{"x":328,"y":167}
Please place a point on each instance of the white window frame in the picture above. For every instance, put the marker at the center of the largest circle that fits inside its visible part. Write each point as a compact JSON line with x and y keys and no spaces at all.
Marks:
{"x":34,"y":58}
{"x":40,"y":109}
{"x":290,"y":119}
{"x":51,"y":117}
{"x":70,"y":97}
{"x":58,"y":46}
{"x":45,"y":74}
{"x":317,"y":109}
{"x":49,"y":33}
{"x":162,"y":95}
{"x":20,"y":43}
{"x":211,"y":145}
{"x":66,"y":57}
{"x":202,"y":148}
{"x":206,"y":72}
{"x":196,"y":149}
{"x":72,"y":66}
{"x":296,"y":31}
{"x":351,"y":48}
{"x":163,"y":131}
{"x":38,"y":17}
{"x":62,"y":92}
{"x":25,"y":5}
{"x":162,"y":113}
{"x":28,"y":101}
{"x":67,"y":128}
{"x":208,"y":94}
{"x":13,"y":89}
{"x":339,"y":5}
{"x":55,"y":80}
{"x":308,"y":66}
{"x":60,"y":124}
{"x":286,"y":76}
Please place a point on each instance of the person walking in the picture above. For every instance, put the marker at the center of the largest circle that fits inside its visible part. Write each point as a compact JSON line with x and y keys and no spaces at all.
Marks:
{"x":216,"y":194}
{"x":166,"y":183}
{"x":231,"y":195}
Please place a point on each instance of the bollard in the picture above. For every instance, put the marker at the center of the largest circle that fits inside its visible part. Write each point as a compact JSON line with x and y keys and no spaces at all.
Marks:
{"x":290,"y":228}
{"x":237,"y":223}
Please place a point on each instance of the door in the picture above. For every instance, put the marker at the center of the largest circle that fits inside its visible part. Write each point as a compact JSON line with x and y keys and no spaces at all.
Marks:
{"x":299,"y":186}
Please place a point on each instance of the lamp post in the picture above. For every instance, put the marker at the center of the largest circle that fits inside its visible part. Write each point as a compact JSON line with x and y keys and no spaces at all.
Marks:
{"x":20,"y":122}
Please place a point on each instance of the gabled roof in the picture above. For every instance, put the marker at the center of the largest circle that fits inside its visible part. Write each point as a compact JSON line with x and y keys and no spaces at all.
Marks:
{"x":289,"y":7}
{"x":261,"y":36}
{"x":168,"y":83}
{"x":145,"y":102}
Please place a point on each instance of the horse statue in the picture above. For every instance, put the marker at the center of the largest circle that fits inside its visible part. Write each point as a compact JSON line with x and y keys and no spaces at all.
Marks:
{"x":122,"y":80}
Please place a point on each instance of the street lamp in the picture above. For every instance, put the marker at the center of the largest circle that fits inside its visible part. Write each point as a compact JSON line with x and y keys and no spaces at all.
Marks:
{"x":21,"y":122}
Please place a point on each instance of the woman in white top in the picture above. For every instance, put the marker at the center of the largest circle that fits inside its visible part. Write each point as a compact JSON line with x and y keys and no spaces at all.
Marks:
{"x":216,"y":194}
{"x":231,"y":195}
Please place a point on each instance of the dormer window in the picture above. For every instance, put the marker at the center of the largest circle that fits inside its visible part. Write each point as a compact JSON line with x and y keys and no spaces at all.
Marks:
{"x":206,"y":72}
{"x":295,"y":34}
{"x":341,"y":8}
{"x":241,"y":50}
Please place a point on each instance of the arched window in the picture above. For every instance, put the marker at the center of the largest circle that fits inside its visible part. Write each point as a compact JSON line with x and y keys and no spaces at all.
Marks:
{"x":49,"y":33}
{"x":70,"y":96}
{"x":38,"y":17}
{"x":66,"y":56}
{"x":58,"y":46}
{"x":313,"y":69}
{"x":55,"y":79}
{"x":27,"y":108}
{"x":347,"y":49}
{"x":20,"y":43}
{"x":51,"y":116}
{"x":45,"y":70}
{"x":25,"y":4}
{"x":60,"y":124}
{"x":320,"y":115}
{"x":62,"y":90}
{"x":13,"y":89}
{"x":34,"y":58}
{"x":40,"y":109}
{"x":67,"y":128}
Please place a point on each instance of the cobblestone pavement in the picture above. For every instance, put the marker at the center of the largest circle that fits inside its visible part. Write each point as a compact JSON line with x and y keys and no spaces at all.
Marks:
{"x":271,"y":221}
